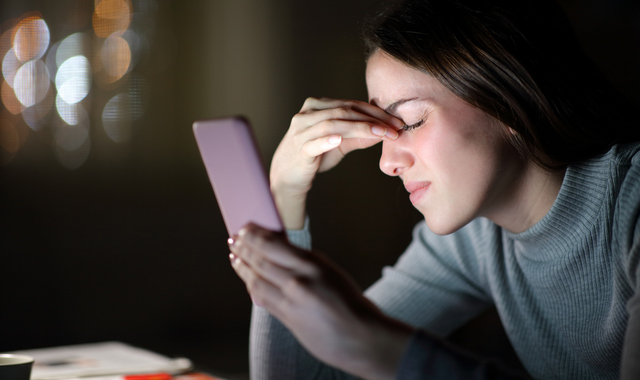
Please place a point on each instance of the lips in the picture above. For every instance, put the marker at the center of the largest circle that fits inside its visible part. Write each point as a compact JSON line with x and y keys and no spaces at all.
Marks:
{"x":416,"y":190}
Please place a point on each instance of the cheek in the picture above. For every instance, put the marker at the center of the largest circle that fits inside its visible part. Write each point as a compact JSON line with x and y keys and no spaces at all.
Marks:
{"x":464,"y":164}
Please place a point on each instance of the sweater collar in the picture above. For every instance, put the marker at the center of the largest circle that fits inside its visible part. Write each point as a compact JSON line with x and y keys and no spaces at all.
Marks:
{"x":574,"y":212}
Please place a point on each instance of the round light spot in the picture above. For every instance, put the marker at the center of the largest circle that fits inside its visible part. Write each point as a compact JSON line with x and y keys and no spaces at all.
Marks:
{"x":116,"y":119}
{"x":35,"y":116}
{"x":73,"y":79}
{"x":111,"y":16}
{"x":10,"y":66}
{"x":31,"y":83}
{"x":115,"y":57}
{"x":74,"y":45}
{"x":72,"y":114}
{"x":31,"y":39}
{"x":11,"y":103}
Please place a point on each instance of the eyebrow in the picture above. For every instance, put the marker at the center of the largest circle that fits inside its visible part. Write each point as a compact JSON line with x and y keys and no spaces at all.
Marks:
{"x":393,"y":106}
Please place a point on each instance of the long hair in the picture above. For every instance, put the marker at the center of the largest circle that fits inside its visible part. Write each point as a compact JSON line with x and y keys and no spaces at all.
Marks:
{"x":518,"y":61}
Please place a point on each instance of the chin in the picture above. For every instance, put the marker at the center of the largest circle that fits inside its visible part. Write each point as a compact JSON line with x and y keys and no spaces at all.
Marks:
{"x":443,"y":225}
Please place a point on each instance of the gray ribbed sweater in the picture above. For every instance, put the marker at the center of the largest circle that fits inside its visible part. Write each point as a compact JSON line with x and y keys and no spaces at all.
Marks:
{"x":566,"y":289}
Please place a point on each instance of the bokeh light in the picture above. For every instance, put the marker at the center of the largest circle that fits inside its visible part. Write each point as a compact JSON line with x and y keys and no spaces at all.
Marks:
{"x":11,"y":103}
{"x":35,"y":116}
{"x":31,"y":83}
{"x":111,"y":17}
{"x":40,"y":74}
{"x":116,"y":119}
{"x":72,"y":114}
{"x":73,"y":79}
{"x":31,"y":39}
{"x":10,"y":66}
{"x":73,"y":45}
{"x":115,"y":57}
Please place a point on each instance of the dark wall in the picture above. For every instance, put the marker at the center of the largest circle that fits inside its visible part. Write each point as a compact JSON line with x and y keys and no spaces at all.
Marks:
{"x":130,"y":246}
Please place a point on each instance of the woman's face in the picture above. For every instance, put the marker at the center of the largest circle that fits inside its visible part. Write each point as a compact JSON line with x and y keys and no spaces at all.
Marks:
{"x":454,"y":159}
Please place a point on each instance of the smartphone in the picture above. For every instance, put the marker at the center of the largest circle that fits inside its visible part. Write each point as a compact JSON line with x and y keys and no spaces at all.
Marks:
{"x":236,"y":172}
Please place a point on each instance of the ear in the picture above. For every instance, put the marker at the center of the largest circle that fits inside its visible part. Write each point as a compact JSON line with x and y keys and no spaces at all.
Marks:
{"x":512,"y":131}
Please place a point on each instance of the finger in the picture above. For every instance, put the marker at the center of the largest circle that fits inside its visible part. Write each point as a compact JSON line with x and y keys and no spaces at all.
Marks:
{"x":315,"y":148}
{"x":254,"y":240}
{"x":312,"y":104}
{"x":262,"y":292}
{"x":347,"y":122}
{"x":332,"y":157}
{"x":260,"y":264}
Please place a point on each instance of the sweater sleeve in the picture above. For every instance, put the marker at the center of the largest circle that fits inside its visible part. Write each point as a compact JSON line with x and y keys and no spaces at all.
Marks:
{"x":274,"y":353}
{"x":427,"y":357}
{"x":630,"y":241}
{"x":630,"y":369}
{"x":437,"y":284}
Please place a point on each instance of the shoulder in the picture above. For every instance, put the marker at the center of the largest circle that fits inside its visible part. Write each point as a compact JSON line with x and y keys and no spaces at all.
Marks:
{"x":626,"y":173}
{"x":626,"y":220}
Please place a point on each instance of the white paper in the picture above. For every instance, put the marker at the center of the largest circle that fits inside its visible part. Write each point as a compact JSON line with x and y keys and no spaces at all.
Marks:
{"x":107,"y":358}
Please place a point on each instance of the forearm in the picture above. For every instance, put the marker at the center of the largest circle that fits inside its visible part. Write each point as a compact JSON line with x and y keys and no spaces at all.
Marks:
{"x":292,"y":207}
{"x":276,"y":354}
{"x":429,"y":357}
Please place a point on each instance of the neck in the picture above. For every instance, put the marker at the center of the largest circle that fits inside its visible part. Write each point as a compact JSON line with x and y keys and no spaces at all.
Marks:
{"x":529,"y":199}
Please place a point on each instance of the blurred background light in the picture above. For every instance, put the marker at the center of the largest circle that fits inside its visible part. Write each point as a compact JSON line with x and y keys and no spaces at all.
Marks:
{"x":31,"y":83}
{"x":11,"y":103}
{"x":10,"y":66}
{"x":69,"y":112}
{"x":35,"y":116}
{"x":115,"y":57}
{"x":31,"y":38}
{"x":116,"y":119}
{"x":72,"y":146}
{"x":76,"y":44}
{"x":71,"y":137}
{"x":73,"y":79}
{"x":100,"y":43}
{"x":111,"y":17}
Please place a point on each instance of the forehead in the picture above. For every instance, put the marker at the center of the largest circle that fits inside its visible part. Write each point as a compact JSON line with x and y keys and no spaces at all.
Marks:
{"x":389,"y":80}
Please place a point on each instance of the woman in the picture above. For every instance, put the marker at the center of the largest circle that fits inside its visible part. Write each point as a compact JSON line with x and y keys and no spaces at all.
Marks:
{"x":528,"y":178}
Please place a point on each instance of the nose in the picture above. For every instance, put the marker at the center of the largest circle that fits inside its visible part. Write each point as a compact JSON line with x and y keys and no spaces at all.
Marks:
{"x":396,"y":157}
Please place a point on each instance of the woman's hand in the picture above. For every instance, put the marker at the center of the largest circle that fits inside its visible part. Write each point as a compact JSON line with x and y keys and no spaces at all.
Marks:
{"x":320,"y":135}
{"x":319,"y":304}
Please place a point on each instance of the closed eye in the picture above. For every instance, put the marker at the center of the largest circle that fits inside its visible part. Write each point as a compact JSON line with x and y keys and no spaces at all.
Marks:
{"x":412,"y":126}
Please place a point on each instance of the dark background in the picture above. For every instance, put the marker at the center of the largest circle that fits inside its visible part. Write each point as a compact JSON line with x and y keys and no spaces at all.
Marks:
{"x":130,"y":246}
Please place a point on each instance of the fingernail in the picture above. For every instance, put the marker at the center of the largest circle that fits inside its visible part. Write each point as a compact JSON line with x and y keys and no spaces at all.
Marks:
{"x":335,"y":140}
{"x":231,"y":241}
{"x":378,"y":130}
{"x":392,"y":134}
{"x":397,"y":123}
{"x":234,"y":259}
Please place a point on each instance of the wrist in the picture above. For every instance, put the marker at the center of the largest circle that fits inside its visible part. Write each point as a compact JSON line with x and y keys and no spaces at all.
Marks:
{"x":291,"y":206}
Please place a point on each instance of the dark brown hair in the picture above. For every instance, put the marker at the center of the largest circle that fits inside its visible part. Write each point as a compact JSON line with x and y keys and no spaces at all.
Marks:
{"x":518,"y":61}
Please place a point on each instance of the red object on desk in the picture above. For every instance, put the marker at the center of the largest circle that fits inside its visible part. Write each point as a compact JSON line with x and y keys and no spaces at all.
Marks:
{"x":154,"y":376}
